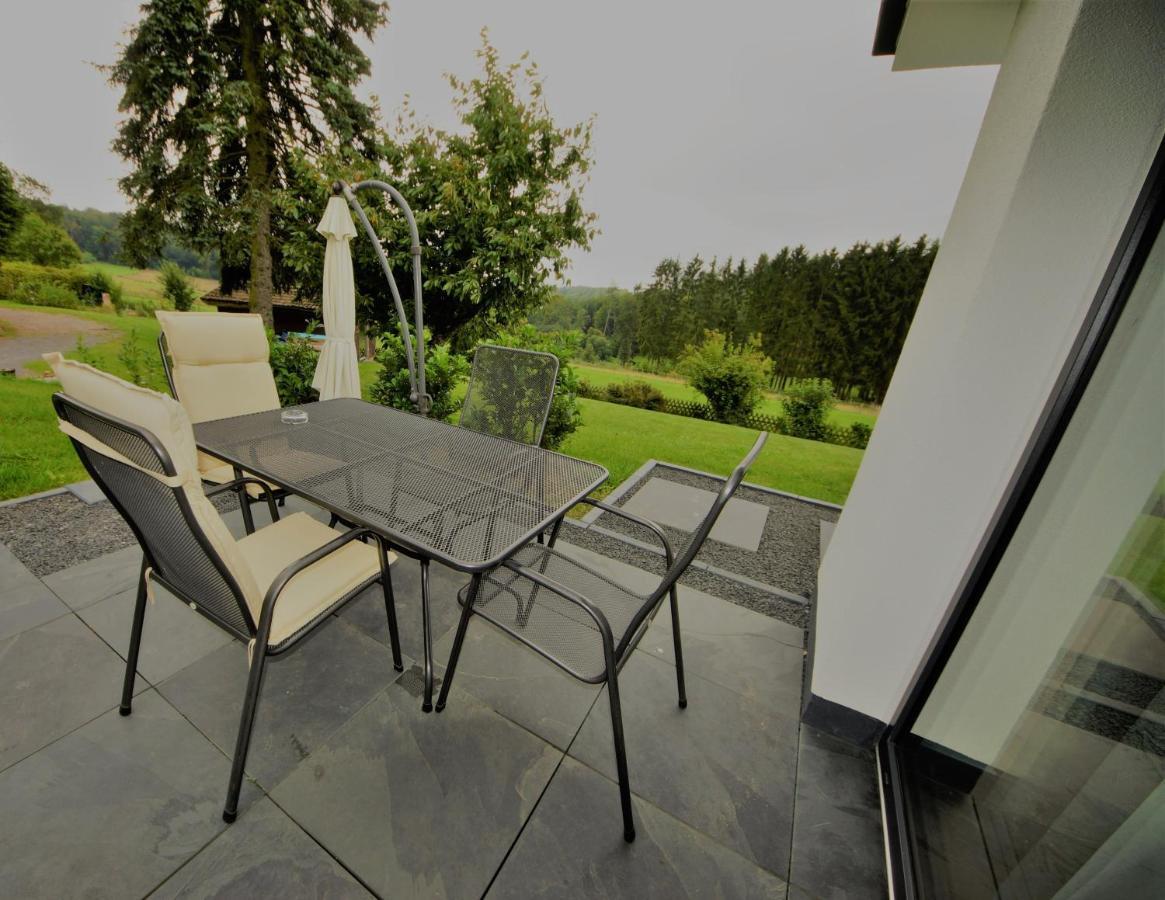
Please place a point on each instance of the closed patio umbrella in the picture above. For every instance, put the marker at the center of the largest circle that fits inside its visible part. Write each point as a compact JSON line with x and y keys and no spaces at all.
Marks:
{"x":337,"y":373}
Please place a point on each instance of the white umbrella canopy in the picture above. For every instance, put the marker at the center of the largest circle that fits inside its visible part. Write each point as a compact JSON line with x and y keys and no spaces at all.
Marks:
{"x":337,"y":373}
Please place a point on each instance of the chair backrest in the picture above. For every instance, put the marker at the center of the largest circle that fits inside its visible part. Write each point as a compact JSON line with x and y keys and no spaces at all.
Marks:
{"x":138,"y":446}
{"x":218,"y":363}
{"x":510,"y":392}
{"x":681,"y":562}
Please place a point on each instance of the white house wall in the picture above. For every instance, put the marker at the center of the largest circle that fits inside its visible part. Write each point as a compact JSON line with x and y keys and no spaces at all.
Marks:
{"x":1077,"y":112}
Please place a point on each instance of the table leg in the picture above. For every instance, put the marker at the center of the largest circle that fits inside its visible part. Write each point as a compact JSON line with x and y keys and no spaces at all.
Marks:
{"x":427,"y":704}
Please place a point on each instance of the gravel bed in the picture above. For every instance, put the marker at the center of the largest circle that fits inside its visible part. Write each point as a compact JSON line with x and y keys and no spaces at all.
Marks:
{"x":700,"y":579}
{"x":790,"y":546}
{"x":56,"y":532}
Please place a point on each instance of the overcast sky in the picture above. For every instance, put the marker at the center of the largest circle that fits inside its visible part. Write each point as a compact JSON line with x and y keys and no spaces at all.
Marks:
{"x":724,"y":129}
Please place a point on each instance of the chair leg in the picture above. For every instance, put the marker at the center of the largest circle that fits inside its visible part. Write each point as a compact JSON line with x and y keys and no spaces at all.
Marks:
{"x":389,"y":606}
{"x":620,"y":753}
{"x":246,"y":723}
{"x":675,"y":634}
{"x":332,"y":520}
{"x":135,"y":642}
{"x":458,"y":638}
{"x":427,"y":629}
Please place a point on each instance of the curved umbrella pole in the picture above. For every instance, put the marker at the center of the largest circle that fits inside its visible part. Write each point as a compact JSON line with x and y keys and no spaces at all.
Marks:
{"x":416,"y":362}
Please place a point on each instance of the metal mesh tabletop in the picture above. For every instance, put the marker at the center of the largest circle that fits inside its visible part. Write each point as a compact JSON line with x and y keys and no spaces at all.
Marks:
{"x":450,"y":494}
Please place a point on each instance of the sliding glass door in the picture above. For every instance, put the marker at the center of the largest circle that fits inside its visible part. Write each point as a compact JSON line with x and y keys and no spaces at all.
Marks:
{"x":1034,"y":764}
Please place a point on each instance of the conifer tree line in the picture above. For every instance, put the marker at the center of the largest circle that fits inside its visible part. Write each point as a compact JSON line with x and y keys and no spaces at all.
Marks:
{"x":833,"y":315}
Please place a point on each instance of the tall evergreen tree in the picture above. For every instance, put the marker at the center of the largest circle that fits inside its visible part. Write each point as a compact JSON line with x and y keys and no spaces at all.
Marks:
{"x":11,"y":208}
{"x":218,"y":95}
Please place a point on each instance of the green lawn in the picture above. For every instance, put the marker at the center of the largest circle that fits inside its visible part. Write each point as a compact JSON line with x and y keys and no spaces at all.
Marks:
{"x":145,"y":285}
{"x":622,"y":438}
{"x":675,"y":388}
{"x":34,"y":456}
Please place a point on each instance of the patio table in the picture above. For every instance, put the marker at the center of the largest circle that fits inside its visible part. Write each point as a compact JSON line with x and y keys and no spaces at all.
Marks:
{"x":432,"y":490}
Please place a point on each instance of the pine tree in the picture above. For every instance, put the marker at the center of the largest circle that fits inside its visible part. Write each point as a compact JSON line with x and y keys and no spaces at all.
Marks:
{"x":217,"y":96}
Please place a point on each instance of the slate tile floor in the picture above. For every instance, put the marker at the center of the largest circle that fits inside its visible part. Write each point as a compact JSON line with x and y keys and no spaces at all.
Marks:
{"x":353,"y":791}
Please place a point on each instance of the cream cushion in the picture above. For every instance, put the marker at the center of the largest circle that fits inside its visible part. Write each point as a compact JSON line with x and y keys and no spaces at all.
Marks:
{"x":311,"y":593}
{"x":256,"y":560}
{"x":220,"y":369}
{"x":166,"y":420}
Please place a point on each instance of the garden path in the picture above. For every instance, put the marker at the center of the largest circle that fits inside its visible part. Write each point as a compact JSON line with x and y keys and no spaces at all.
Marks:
{"x":35,"y":333}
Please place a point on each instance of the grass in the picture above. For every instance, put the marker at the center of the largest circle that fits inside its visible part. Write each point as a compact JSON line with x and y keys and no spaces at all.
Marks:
{"x":622,"y":438}
{"x":1141,"y":558}
{"x":144,"y":286}
{"x":35,"y":456}
{"x":675,"y":388}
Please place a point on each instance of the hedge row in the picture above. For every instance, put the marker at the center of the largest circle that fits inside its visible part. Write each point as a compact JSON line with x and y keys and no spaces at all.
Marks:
{"x":645,"y":396}
{"x":73,"y":287}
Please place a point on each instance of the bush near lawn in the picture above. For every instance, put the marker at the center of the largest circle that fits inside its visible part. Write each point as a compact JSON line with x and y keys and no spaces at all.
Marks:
{"x":675,"y":388}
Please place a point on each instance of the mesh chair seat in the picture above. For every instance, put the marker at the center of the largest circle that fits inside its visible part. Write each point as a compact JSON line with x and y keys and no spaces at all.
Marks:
{"x":316,"y":591}
{"x":549,"y":623}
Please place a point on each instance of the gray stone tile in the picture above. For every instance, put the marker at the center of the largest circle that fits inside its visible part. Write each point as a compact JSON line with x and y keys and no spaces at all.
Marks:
{"x":366,"y":612}
{"x":86,"y":491}
{"x":742,"y":523}
{"x":24,"y":601}
{"x":307,"y":694}
{"x":724,"y":765}
{"x":173,"y":635}
{"x":735,"y":647}
{"x":573,"y":847}
{"x":263,"y":854}
{"x":88,"y":582}
{"x":837,"y":828}
{"x":954,"y":862}
{"x":514,"y":680}
{"x":420,"y":805}
{"x":111,"y":809}
{"x":56,"y":677}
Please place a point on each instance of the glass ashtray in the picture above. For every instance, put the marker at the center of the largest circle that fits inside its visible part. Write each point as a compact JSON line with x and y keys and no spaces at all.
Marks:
{"x":293,"y":417}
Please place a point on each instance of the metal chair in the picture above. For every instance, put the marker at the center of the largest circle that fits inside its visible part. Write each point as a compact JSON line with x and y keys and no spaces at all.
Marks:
{"x":510,"y":392}
{"x":270,"y":589}
{"x":580,"y":619}
{"x":217,"y":366}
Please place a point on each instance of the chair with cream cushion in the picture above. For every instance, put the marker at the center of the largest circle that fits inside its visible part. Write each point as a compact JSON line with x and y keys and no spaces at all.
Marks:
{"x":217,"y":366}
{"x":269,"y":589}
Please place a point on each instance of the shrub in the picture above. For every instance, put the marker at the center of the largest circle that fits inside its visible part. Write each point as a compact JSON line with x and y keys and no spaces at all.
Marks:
{"x":590,"y":391}
{"x":106,"y":285}
{"x":859,"y":435}
{"x":21,"y":281}
{"x":565,"y":416}
{"x":293,"y":363}
{"x":636,"y":393}
{"x":176,"y":288}
{"x":443,"y":370}
{"x":651,"y":366}
{"x":141,"y":365}
{"x":43,"y":243}
{"x":47,"y":293}
{"x":807,"y":403}
{"x":731,"y":378}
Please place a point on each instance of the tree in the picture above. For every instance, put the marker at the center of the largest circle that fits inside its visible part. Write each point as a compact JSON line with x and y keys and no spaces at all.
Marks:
{"x":176,"y":288}
{"x":498,"y":205}
{"x":217,"y":98}
{"x":11,"y":209}
{"x":732,"y":378}
{"x":43,"y":243}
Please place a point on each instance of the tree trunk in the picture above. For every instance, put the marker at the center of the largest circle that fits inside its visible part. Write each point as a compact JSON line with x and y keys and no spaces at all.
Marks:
{"x":258,"y":165}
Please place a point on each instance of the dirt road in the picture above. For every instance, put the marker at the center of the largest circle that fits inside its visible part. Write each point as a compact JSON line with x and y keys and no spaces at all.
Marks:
{"x":40,"y":332}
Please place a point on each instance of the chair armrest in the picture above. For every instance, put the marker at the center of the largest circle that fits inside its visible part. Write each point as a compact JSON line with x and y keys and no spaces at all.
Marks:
{"x":246,"y":479}
{"x":284,"y":578}
{"x":638,"y":520}
{"x":567,"y":594}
